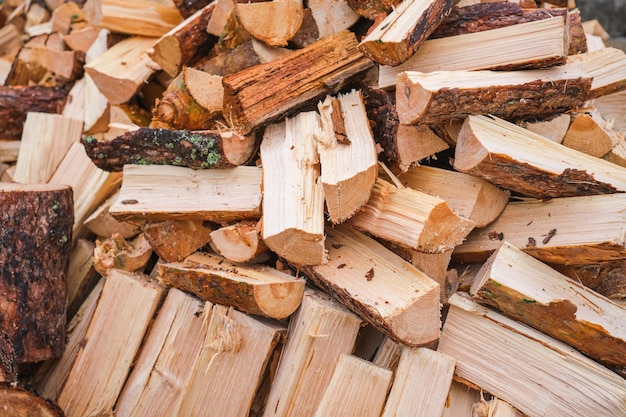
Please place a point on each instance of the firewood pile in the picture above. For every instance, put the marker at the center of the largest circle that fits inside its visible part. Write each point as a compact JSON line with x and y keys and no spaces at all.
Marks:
{"x":322,"y":208}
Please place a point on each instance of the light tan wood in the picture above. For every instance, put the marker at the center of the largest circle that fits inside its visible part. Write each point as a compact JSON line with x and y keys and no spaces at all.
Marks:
{"x":562,"y":381}
{"x":9,"y":39}
{"x":347,"y":155}
{"x":102,"y":224}
{"x":34,"y":63}
{"x":320,"y":331}
{"x":64,"y":16}
{"x":273,"y":22}
{"x":617,"y":155}
{"x":416,"y":143}
{"x":161,"y":192}
{"x":173,"y":240}
{"x":332,"y":16}
{"x":222,"y":10}
{"x":500,"y":408}
{"x":345,"y":395}
{"x":118,"y":325}
{"x":74,"y":106}
{"x":82,"y":39}
{"x":421,"y":383}
{"x":461,"y":400}
{"x":81,"y":275}
{"x":607,"y":66}
{"x":594,"y":27}
{"x":117,"y":253}
{"x":554,"y":129}
{"x":97,"y":114}
{"x":240,"y":242}
{"x":587,"y":133}
{"x":293,"y":198}
{"x":435,"y":266}
{"x":611,"y":108}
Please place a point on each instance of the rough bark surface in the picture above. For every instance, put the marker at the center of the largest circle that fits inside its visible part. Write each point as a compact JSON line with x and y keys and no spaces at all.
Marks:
{"x":383,"y":117}
{"x":18,"y":402}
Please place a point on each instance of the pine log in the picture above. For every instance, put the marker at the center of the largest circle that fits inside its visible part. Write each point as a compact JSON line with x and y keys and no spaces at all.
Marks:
{"x":117,"y":253}
{"x":35,"y":245}
{"x":81,"y":275}
{"x":266,"y":92}
{"x":345,"y":395}
{"x":553,"y":128}
{"x":432,"y":98}
{"x":174,"y":240}
{"x":19,"y":402}
{"x":589,"y":133}
{"x":607,"y":67}
{"x":605,"y":278}
{"x":402,"y":32}
{"x":10,"y":41}
{"x":611,"y":108}
{"x":617,"y":155}
{"x":273,"y":22}
{"x":461,"y":399}
{"x":197,"y":149}
{"x":65,"y":16}
{"x":389,"y":293}
{"x":529,"y":45}
{"x":81,"y":40}
{"x":411,"y":218}
{"x":319,"y":333}
{"x":544,"y":377}
{"x":240,"y":242}
{"x":293,"y":198}
{"x":223,"y":9}
{"x":347,"y":155}
{"x":565,"y":231}
{"x":231,"y":34}
{"x":102,"y":224}
{"x":519,"y":160}
{"x":176,"y":193}
{"x":181,"y":44}
{"x":96,"y":116}
{"x":332,"y":16}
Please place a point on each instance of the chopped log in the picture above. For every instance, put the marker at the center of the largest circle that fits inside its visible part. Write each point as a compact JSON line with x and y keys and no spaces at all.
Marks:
{"x":273,"y":22}
{"x":240,"y":242}
{"x":553,"y":128}
{"x":422,"y":382}
{"x":611,"y":107}
{"x":320,"y":331}
{"x":347,"y":155}
{"x":191,"y":101}
{"x":388,"y":354}
{"x":81,"y":275}
{"x":117,"y":328}
{"x":10,"y":41}
{"x":232,"y":34}
{"x":411,"y":218}
{"x":607,"y":67}
{"x":267,"y":92}
{"x":122,"y":70}
{"x":35,"y":245}
{"x":219,"y":18}
{"x":81,"y":40}
{"x":176,"y":193}
{"x":19,"y":402}
{"x":433,"y":98}
{"x":181,"y":44}
{"x":480,"y":201}
{"x":461,"y":400}
{"x":345,"y":395}
{"x":562,"y":381}
{"x":197,"y":149}
{"x":254,"y":289}
{"x":66,"y":15}
{"x":566,"y":231}
{"x":577,"y":38}
{"x":435,"y":266}
{"x":389,"y":293}
{"x":45,"y":140}
{"x":617,"y":155}
{"x":531,"y":292}
{"x":404,"y":30}
{"x":605,"y":278}
{"x":97,"y":115}
{"x":308,"y":32}
{"x":293,"y":197}
{"x":332,"y":16}
{"x":519,"y":160}
{"x":116,"y":253}
{"x":588,"y":133}
{"x":530,"y":45}
{"x":102,"y":224}
{"x":189,"y":7}
{"x":175,"y":240}
{"x":17,"y":101}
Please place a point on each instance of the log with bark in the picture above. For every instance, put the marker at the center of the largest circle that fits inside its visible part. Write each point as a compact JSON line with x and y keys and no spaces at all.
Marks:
{"x":19,"y":402}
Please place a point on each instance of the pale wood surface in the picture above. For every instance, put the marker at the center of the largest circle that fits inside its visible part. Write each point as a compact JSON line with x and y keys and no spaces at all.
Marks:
{"x":589,"y":133}
{"x":273,"y":22}
{"x":240,"y":242}
{"x":462,"y":398}
{"x":607,"y":66}
{"x":115,"y":252}
{"x":173,"y":240}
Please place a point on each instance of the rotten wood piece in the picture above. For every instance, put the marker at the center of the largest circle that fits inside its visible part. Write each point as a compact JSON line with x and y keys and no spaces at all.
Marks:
{"x":274,"y":22}
{"x":607,"y":67}
{"x":174,"y":240}
{"x":267,"y":92}
{"x":35,"y":245}
{"x":18,"y":402}
{"x":117,"y":253}
{"x":240,"y":242}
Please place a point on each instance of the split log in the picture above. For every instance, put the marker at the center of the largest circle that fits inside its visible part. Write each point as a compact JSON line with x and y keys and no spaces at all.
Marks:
{"x":388,"y":354}
{"x":345,"y":395}
{"x":566,"y":231}
{"x":10,"y":41}
{"x":530,"y":291}
{"x":267,"y":92}
{"x":422,"y":382}
{"x":81,"y":275}
{"x":175,"y":193}
{"x":331,"y":17}
{"x":553,"y":128}
{"x":562,"y":381}
{"x":240,"y":242}
{"x":308,"y":32}
{"x":18,"y":402}
{"x":617,"y":155}
{"x":461,"y":400}
{"x":432,"y":98}
{"x":606,"y":278}
{"x":293,"y":198}
{"x":222,"y":11}
{"x":611,"y":107}
{"x":197,"y":149}
{"x":35,"y":245}
{"x":347,"y":155}
{"x":273,"y":22}
{"x":607,"y":67}
{"x":519,"y":160}
{"x":259,"y":290}
{"x":17,"y":101}
{"x":81,"y":40}
{"x":175,"y":240}
{"x":589,"y":133}
{"x":96,"y":116}
{"x":319,"y":333}
{"x":102,"y":224}
{"x":181,"y":44}
{"x":65,"y":16}
{"x":117,"y":253}
{"x":389,"y":293}
{"x":530,"y":45}
{"x":402,"y":32}
{"x":411,"y":218}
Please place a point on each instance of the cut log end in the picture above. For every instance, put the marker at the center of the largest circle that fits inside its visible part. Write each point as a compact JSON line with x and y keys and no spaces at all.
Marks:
{"x":298,"y":247}
{"x":167,"y":54}
{"x":443,"y":230}
{"x":347,"y":197}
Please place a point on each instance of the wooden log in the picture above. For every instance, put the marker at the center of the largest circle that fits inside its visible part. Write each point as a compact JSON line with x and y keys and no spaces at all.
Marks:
{"x":179,"y":46}
{"x":240,"y":242}
{"x":402,"y":32}
{"x":82,"y":39}
{"x":189,"y":7}
{"x":461,"y":400}
{"x":519,"y":160}
{"x":174,"y":240}
{"x":97,"y":116}
{"x":273,"y":22}
{"x":259,"y":290}
{"x":553,"y":128}
{"x":265,"y":93}
{"x":432,"y":98}
{"x":347,"y":155}
{"x":589,"y":133}
{"x":610,"y":106}
{"x":35,"y":246}
{"x":332,"y":16}
{"x":219,"y":17}
{"x":422,"y":382}
{"x":320,"y":331}
{"x":117,"y":253}
{"x":562,"y":381}
{"x":529,"y":45}
{"x":607,"y":67}
{"x":389,"y":293}
{"x":81,"y":275}
{"x":175,"y":193}
{"x":530,"y":291}
{"x":411,"y":218}
{"x":102,"y":224}
{"x":565,"y":231}
{"x":293,"y":198}
{"x":605,"y":278}
{"x":345,"y":396}
{"x":17,"y":402}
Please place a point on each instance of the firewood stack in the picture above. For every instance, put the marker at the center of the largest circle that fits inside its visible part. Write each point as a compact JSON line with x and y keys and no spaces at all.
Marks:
{"x":323,"y":208}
